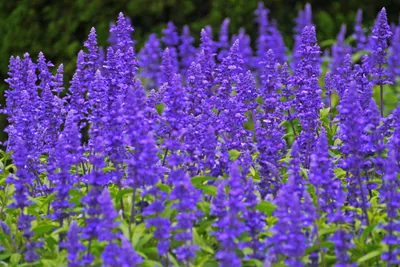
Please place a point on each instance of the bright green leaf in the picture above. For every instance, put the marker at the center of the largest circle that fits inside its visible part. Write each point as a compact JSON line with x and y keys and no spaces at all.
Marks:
{"x":234,"y":154}
{"x":137,"y":233}
{"x":366,"y":232}
{"x":324,"y":112}
{"x":208,"y":189}
{"x":370,"y":255}
{"x":15,"y":258}
{"x":160,"y":108}
{"x":150,"y":263}
{"x":198,"y":240}
{"x":265,"y":207}
{"x":44,"y":228}
{"x":197,"y":180}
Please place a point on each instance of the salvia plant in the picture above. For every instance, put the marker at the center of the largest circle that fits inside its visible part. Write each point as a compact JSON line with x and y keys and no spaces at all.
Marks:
{"x":221,"y":154}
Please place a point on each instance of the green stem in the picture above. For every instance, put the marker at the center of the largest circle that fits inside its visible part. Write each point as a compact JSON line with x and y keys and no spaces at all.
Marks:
{"x":132,"y":218}
{"x":291,"y":123}
{"x":121,"y":202}
{"x":330,"y":110}
{"x":363,"y":200}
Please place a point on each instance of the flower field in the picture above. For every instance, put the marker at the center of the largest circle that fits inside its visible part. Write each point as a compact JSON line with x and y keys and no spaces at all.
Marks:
{"x":236,"y":152}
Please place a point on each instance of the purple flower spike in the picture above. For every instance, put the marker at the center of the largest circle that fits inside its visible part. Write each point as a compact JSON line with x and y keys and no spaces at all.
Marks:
{"x":394,"y":56}
{"x":269,"y":132}
{"x":74,"y":246}
{"x":303,"y":19}
{"x":187,"y":51}
{"x":262,"y":21}
{"x":391,"y":198}
{"x":293,"y":216}
{"x":307,"y":95}
{"x":245,"y":48}
{"x":359,"y":33}
{"x":381,"y":33}
{"x":123,"y":31}
{"x":44,"y":72}
{"x":149,"y":61}
{"x":363,"y":84}
{"x":339,"y":51}
{"x":167,"y":67}
{"x":351,"y":129}
{"x":228,"y":207}
{"x":127,"y":255}
{"x":328,"y":188}
{"x":223,"y":43}
{"x":342,"y":241}
{"x":187,"y":197}
{"x":255,"y":222}
{"x":93,"y":55}
{"x":171,"y":41}
{"x":171,"y":37}
{"x":206,"y":55}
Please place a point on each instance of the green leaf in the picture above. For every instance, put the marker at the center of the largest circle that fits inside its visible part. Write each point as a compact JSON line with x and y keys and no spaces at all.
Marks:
{"x":4,"y":256}
{"x":160,"y":108}
{"x":328,"y":230}
{"x":44,"y":228}
{"x":208,"y":189}
{"x":366,"y":232}
{"x":287,"y":135}
{"x":375,"y":181}
{"x":211,"y":263}
{"x":252,"y":263}
{"x":201,"y":260}
{"x":149,"y":252}
{"x":108,"y":168}
{"x":49,"y":263}
{"x":324,"y":112}
{"x":47,"y":200}
{"x":304,"y":172}
{"x":255,"y":155}
{"x":121,"y":193}
{"x":325,"y":244}
{"x":370,"y":255}
{"x":143,"y":241}
{"x":150,"y":263}
{"x":204,"y":207}
{"x":328,"y":42}
{"x":357,"y":55}
{"x":30,"y":264}
{"x":265,"y":207}
{"x":168,"y":210}
{"x":124,"y":227}
{"x":234,"y":154}
{"x":197,"y":180}
{"x":173,"y":260}
{"x":137,"y":233}
{"x":339,"y":172}
{"x":15,"y":258}
{"x":76,"y":196}
{"x":253,"y":171}
{"x":51,"y":242}
{"x":198,"y":240}
{"x":164,"y":188}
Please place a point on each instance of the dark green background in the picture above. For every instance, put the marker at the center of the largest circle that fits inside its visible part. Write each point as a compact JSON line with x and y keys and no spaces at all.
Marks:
{"x":58,"y":28}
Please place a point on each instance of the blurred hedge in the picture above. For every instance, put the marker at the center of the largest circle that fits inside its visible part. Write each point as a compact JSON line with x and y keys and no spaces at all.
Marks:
{"x":58,"y":28}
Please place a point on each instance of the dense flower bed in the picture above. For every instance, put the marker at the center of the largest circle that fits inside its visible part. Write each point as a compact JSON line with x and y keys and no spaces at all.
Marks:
{"x":210,"y":156}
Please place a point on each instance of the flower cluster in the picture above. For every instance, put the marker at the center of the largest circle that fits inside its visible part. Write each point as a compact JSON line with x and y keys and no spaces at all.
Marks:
{"x":217,"y":154}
